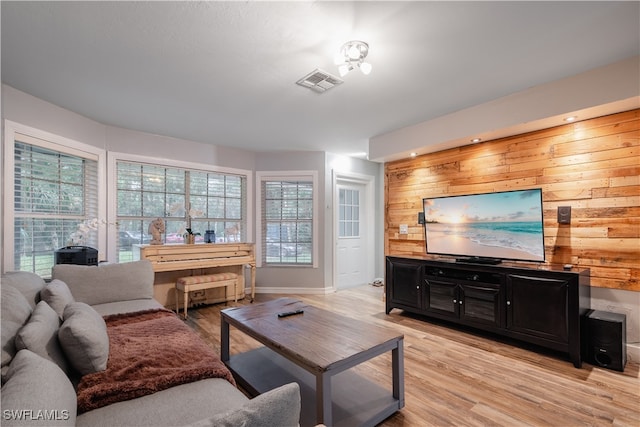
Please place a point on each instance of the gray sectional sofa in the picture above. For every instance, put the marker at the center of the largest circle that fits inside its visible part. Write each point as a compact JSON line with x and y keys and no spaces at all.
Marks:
{"x":53,"y":334}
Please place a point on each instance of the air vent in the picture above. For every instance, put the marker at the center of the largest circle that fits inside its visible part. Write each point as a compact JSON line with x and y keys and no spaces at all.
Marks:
{"x":319,"y":81}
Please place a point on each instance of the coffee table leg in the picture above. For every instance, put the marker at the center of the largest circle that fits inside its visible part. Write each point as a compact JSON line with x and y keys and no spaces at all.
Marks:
{"x":323,"y":399}
{"x":224,"y":340}
{"x":253,"y":282}
{"x":397,"y":366}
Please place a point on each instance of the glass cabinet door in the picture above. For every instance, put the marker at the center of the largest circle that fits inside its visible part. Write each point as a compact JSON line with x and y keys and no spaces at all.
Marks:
{"x":405,"y":280}
{"x":481,"y":304}
{"x":442,"y":297}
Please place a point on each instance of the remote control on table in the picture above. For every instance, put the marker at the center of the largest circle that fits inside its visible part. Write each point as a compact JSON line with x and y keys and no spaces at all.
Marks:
{"x":290,"y":313}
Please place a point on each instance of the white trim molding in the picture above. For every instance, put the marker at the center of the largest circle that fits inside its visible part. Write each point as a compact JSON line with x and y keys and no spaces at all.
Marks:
{"x":287,"y":176}
{"x":54,"y":142}
{"x":287,"y":290}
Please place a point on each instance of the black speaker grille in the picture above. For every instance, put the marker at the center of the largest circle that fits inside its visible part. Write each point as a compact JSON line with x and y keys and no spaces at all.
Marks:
{"x":607,"y":340}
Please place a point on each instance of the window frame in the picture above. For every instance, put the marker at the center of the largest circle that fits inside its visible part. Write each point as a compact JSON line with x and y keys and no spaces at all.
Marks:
{"x":112,"y":200}
{"x":262,"y":176}
{"x":52,"y":142}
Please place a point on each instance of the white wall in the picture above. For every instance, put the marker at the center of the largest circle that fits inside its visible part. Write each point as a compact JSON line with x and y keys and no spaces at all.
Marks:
{"x":303,"y":279}
{"x":623,"y":302}
{"x":28,"y":110}
{"x":163,"y":147}
{"x":340,"y":164}
{"x":299,"y":279}
{"x":594,"y":93}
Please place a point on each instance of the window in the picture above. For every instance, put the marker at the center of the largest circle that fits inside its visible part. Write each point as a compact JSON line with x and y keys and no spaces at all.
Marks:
{"x":287,"y":205}
{"x":349,"y":213}
{"x":183,"y":198}
{"x":53,"y":189}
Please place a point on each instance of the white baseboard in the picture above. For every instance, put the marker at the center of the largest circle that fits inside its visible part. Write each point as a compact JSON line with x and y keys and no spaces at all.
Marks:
{"x":282,"y":290}
{"x":633,"y":352}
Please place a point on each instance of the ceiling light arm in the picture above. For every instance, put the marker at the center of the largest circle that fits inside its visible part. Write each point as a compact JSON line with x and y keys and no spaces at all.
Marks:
{"x":351,"y":56}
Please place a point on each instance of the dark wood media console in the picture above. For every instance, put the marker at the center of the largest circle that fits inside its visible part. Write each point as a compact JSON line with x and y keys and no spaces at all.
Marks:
{"x":542,"y":305}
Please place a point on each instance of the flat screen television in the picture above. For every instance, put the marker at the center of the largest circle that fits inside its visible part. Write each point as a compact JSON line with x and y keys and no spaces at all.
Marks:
{"x":486,"y":228}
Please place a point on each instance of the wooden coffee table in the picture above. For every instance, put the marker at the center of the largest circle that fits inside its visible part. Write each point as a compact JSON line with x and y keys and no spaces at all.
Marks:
{"x":316,"y":348}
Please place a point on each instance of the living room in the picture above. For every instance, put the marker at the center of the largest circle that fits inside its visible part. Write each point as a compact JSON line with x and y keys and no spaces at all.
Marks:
{"x":614,"y":287}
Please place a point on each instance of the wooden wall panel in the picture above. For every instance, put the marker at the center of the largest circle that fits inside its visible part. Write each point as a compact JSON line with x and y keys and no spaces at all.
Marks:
{"x":592,"y":166}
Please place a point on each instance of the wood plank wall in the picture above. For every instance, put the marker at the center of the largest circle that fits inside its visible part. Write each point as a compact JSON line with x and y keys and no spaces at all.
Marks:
{"x":592,"y":166}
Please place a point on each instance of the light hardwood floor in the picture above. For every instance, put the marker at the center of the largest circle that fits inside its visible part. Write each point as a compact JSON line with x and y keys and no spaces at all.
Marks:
{"x":456,"y":377}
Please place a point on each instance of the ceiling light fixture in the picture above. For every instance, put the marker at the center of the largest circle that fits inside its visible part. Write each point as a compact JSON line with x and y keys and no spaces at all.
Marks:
{"x":352,"y":56}
{"x":475,"y":140}
{"x":570,"y":119}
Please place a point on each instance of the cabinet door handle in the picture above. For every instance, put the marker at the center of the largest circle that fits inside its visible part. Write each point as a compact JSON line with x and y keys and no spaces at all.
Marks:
{"x":417,"y":287}
{"x":508,"y":302}
{"x":460,"y":302}
{"x":455,"y":301}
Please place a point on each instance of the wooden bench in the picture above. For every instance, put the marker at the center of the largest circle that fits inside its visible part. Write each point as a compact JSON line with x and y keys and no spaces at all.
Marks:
{"x":197,"y":283}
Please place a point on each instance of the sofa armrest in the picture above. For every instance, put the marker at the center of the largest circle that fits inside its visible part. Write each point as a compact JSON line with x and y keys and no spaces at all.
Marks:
{"x":107,"y":282}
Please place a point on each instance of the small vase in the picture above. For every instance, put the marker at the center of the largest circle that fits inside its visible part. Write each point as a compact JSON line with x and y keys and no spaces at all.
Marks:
{"x":191,"y":239}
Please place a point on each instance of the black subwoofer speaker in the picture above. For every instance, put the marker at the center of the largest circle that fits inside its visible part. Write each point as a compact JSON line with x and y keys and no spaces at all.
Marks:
{"x":607,"y":339}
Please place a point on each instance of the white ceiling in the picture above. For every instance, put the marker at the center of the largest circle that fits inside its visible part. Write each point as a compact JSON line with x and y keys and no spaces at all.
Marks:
{"x":224,"y":72}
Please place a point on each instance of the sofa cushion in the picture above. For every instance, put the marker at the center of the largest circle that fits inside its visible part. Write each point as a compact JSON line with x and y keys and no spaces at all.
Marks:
{"x":83,"y":337}
{"x":38,"y":392}
{"x":40,"y":335}
{"x":107,"y":282}
{"x":277,"y":407}
{"x":15,"y":313}
{"x":57,"y":295}
{"x":175,"y":406}
{"x":29,"y":284}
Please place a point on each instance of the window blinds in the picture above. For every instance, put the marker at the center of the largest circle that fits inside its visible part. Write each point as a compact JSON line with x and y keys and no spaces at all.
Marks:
{"x":55,"y":189}
{"x":184,"y":198}
{"x":287,"y":222}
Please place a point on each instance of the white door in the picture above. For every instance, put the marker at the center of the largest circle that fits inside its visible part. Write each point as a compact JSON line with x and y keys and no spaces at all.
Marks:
{"x":351,"y":235}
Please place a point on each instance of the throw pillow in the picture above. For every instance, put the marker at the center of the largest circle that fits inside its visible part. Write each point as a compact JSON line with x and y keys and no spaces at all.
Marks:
{"x":15,"y":313}
{"x":83,"y":337}
{"x":57,"y":295}
{"x":277,"y":407}
{"x":38,"y":392}
{"x":29,"y":284}
{"x":40,"y":335}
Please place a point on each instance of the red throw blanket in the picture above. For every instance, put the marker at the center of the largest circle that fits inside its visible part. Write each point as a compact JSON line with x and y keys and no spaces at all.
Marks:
{"x":149,"y":351}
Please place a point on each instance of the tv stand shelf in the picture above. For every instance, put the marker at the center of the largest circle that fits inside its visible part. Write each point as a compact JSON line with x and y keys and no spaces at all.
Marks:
{"x":543,"y":305}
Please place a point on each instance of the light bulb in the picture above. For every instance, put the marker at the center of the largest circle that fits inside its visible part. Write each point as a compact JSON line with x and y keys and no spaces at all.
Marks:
{"x":354,"y":52}
{"x":365,"y":67}
{"x":344,"y":69}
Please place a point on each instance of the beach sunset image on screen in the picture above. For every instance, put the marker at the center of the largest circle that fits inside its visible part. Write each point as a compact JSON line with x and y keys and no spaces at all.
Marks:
{"x":503,"y":225}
